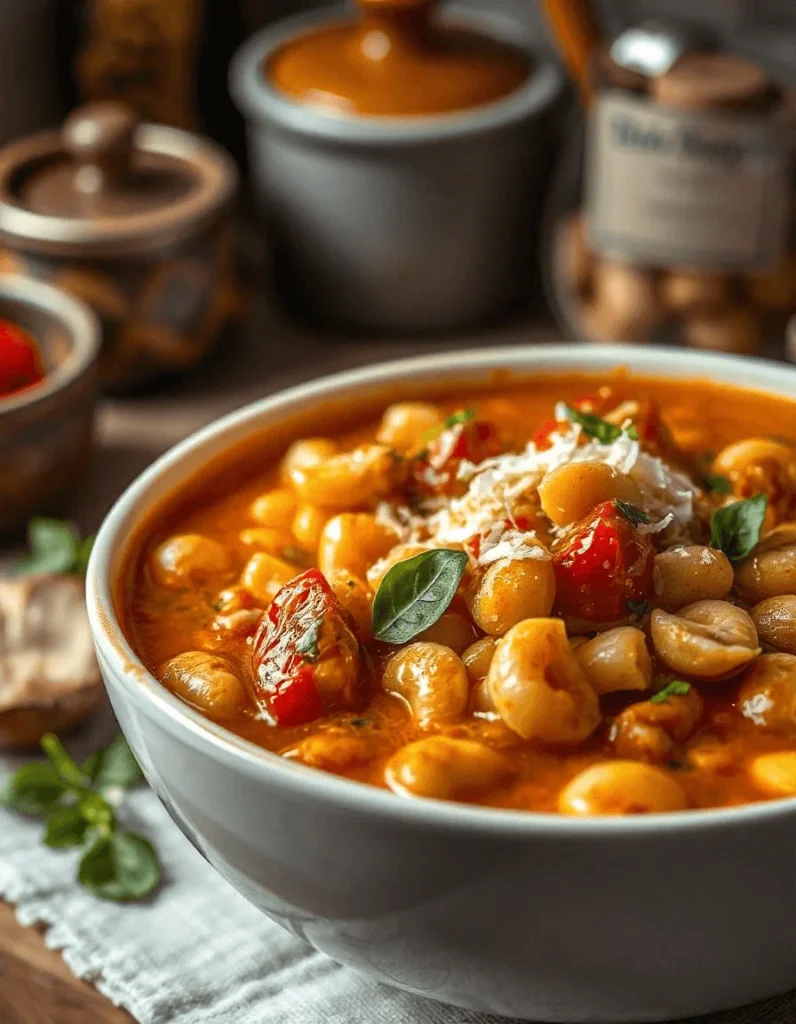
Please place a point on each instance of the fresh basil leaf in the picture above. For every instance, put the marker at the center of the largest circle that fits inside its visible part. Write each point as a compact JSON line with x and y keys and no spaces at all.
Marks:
{"x":116,"y":766}
{"x":120,"y":867}
{"x":718,"y":484}
{"x":676,"y":688}
{"x":62,"y":761}
{"x":632,"y":513}
{"x":638,"y":608}
{"x":600,"y":429}
{"x":735,"y":529}
{"x":415,"y":593}
{"x":66,"y":827}
{"x":35,"y":789}
{"x":461,"y":416}
{"x":308,"y":645}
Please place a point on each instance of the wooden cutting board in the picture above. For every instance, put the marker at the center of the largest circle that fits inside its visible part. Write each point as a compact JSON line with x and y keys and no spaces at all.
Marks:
{"x":36,"y":986}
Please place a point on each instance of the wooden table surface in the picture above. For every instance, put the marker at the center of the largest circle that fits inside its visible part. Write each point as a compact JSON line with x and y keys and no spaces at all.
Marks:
{"x":36,"y":986}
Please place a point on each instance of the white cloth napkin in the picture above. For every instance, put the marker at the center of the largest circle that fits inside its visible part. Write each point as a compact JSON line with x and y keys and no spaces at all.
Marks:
{"x":197,"y":953}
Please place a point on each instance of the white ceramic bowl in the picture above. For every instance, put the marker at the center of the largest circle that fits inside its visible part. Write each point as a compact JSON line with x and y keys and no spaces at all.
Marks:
{"x":527,"y":915}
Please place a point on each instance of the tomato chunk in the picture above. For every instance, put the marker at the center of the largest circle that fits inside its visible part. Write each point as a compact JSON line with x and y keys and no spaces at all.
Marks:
{"x":306,"y":660}
{"x":542,"y":436}
{"x":20,"y":364}
{"x":603,"y":563}
{"x":435,"y":470}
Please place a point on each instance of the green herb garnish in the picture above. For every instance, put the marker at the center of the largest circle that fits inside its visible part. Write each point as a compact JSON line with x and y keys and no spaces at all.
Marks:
{"x":638,"y":608}
{"x":309,"y":646}
{"x":430,"y":435}
{"x":676,"y":688}
{"x":735,"y":529}
{"x":462,"y":416}
{"x":718,"y":484}
{"x":360,"y":723}
{"x":415,"y":593}
{"x":600,"y":429}
{"x":78,"y":803}
{"x":632,"y":513}
{"x":55,"y":546}
{"x":297,"y":556}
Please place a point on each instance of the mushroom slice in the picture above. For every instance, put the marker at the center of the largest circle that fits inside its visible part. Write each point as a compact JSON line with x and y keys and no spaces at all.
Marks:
{"x":49,"y":678}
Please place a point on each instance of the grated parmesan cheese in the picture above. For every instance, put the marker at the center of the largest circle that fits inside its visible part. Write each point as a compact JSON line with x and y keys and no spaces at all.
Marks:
{"x":756,"y":707}
{"x":398,"y":518}
{"x":485,"y":509}
{"x":515,"y":545}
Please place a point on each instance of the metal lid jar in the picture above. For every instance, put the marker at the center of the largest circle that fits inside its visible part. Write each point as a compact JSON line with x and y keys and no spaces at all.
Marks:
{"x":675,"y":221}
{"x":133,"y":219}
{"x":395,"y":154}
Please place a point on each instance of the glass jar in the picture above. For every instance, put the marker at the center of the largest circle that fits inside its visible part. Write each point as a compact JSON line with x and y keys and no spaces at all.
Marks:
{"x":672,"y":217}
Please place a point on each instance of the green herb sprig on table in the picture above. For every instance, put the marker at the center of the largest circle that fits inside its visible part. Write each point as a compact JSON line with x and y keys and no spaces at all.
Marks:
{"x":55,"y":546}
{"x":79,"y":806}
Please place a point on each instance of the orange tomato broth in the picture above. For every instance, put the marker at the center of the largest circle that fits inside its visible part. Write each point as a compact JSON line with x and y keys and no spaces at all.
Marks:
{"x":160,"y":623}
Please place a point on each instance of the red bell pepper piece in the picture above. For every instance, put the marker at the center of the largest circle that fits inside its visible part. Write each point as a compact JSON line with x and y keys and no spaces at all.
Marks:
{"x":603,"y":563}
{"x":303,"y":632}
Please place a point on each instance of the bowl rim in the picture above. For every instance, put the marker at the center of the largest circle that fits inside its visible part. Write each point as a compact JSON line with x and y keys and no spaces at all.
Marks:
{"x":80,"y":323}
{"x":258,"y":99}
{"x":180,"y":463}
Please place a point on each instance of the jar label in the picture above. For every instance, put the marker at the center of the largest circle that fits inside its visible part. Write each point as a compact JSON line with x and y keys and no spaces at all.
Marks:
{"x":668,"y":187}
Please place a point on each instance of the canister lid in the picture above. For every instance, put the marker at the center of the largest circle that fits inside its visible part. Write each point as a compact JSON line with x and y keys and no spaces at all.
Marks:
{"x":395,"y":60}
{"x":703,"y":79}
{"x":107,"y":185}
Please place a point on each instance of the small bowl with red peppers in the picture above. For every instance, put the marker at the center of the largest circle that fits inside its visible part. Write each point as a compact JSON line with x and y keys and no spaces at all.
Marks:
{"x":49,"y":344}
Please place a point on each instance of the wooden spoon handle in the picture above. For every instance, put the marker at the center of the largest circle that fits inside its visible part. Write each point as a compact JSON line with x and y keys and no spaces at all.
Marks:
{"x":577,"y":32}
